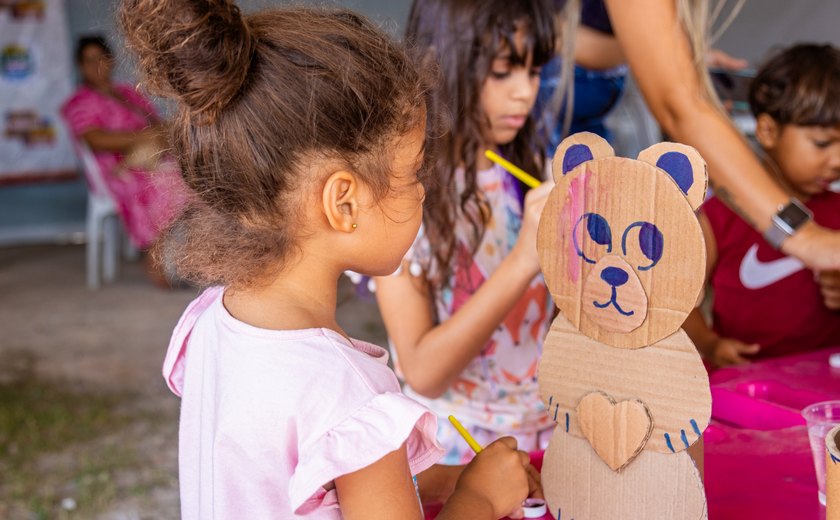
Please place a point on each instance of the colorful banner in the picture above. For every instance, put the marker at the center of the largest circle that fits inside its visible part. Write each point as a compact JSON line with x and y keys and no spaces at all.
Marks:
{"x":35,"y":79}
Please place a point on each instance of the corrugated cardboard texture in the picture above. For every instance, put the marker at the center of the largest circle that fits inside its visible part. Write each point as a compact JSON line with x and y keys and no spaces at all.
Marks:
{"x":832,"y":474}
{"x":667,"y":377}
{"x":616,"y":431}
{"x":623,"y":193}
{"x":697,"y":193}
{"x":633,"y":296}
{"x":578,"y":485}
{"x":623,"y":255}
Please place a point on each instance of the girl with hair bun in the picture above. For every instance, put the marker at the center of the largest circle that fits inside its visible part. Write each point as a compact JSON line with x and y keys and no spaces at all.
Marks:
{"x":301,"y":133}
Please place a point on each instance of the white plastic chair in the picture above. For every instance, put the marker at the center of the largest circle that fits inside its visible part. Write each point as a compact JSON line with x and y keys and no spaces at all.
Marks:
{"x":103,"y":224}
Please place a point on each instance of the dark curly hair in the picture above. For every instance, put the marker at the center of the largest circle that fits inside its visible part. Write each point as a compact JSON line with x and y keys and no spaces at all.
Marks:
{"x":461,"y":38}
{"x":260,"y":97}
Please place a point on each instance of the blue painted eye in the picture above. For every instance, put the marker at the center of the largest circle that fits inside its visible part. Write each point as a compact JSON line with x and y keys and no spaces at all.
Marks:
{"x":651,"y":242}
{"x":599,"y":232}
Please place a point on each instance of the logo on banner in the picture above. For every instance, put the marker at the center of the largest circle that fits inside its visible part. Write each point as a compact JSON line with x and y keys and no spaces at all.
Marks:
{"x":24,"y":8}
{"x":15,"y":62}
{"x":30,"y":127}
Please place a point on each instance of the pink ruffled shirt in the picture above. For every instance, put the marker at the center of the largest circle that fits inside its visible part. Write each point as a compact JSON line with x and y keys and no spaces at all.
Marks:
{"x":268,"y":418}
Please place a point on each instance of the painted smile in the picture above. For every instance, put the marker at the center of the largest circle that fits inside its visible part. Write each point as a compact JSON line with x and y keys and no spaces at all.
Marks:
{"x":614,"y":303}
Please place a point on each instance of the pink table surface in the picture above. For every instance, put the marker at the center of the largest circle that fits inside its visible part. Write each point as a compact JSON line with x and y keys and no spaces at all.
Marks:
{"x":758,"y":460}
{"x":771,"y":394}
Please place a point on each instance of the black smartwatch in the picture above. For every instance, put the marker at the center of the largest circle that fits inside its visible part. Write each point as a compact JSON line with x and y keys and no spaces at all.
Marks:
{"x":786,"y":221}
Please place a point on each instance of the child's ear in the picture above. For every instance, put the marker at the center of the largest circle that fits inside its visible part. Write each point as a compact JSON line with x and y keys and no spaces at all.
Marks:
{"x":684,"y":165}
{"x":340,"y":199}
{"x":576,"y":150}
{"x":766,"y":131}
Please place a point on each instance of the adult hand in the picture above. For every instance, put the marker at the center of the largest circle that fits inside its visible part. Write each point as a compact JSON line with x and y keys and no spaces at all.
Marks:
{"x":816,"y":246}
{"x":718,"y":59}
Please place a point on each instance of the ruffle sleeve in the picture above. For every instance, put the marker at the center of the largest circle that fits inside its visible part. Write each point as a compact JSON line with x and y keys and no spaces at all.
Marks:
{"x":176,"y":353}
{"x":377,"y":428}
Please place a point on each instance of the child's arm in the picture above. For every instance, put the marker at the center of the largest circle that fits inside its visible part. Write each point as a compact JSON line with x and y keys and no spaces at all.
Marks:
{"x":437,"y":483}
{"x":431,"y":357}
{"x":383,"y":490}
{"x":493,"y":485}
{"x":719,"y":351}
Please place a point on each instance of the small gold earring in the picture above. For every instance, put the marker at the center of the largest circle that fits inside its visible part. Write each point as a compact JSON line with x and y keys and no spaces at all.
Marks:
{"x":354,"y":225}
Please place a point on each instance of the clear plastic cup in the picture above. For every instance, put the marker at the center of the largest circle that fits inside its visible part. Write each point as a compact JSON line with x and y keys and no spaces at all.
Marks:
{"x":820,"y":418}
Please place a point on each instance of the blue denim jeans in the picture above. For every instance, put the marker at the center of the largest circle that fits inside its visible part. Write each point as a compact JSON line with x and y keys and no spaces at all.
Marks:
{"x":596,"y":93}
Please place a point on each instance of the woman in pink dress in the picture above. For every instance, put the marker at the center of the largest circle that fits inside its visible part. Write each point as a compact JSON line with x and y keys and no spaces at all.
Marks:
{"x":123,"y":130}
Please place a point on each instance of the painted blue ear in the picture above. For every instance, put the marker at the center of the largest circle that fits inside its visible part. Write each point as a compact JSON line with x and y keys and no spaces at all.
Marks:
{"x":679,"y":168}
{"x":575,"y":155}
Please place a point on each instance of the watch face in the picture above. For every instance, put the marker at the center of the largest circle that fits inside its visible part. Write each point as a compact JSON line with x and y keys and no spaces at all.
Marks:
{"x":793,"y":215}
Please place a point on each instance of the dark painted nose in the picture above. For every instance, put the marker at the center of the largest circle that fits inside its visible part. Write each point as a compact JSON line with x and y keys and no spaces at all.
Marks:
{"x":614,"y":276}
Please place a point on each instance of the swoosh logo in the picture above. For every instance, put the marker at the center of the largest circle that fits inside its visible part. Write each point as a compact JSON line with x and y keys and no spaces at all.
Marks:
{"x":756,"y":274}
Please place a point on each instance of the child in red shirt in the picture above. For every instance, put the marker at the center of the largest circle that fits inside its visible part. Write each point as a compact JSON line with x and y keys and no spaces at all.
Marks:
{"x":766,"y":304}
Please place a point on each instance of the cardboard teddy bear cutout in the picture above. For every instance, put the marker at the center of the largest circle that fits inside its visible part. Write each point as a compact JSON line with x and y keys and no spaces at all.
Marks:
{"x":623,"y":255}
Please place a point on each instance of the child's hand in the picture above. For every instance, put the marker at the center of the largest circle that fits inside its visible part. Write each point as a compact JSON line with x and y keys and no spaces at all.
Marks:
{"x":499,"y":475}
{"x":830,"y":287}
{"x":728,"y":351}
{"x":526,"y":245}
{"x":535,"y":490}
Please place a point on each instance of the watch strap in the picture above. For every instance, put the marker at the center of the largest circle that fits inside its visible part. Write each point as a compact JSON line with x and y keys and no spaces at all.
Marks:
{"x":775,"y":235}
{"x":781,"y":227}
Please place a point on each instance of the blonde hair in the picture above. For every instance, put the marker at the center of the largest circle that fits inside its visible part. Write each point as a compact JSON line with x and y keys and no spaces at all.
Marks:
{"x":694,"y":16}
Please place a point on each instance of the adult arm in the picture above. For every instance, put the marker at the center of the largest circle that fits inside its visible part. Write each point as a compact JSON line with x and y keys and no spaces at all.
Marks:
{"x":596,"y":50}
{"x":660,"y":58}
{"x":491,"y":486}
{"x":117,"y":140}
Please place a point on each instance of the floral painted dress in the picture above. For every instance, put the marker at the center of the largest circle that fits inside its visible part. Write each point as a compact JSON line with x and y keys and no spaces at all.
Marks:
{"x":497,"y":393}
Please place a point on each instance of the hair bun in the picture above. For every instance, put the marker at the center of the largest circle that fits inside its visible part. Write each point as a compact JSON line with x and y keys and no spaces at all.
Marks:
{"x":196,"y":51}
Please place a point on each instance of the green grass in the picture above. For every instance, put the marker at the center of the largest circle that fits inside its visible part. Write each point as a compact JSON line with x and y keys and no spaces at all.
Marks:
{"x":58,"y":441}
{"x":38,"y":416}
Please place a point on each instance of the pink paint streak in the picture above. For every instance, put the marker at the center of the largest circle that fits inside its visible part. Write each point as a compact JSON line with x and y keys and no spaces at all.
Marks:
{"x":572,"y":210}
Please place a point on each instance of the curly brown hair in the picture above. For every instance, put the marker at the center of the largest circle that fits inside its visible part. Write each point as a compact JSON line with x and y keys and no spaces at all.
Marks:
{"x":462,"y":37}
{"x":260,"y":98}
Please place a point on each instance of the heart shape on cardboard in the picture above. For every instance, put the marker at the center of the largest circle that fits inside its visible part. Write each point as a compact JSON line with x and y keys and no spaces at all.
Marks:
{"x":616,"y":431}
